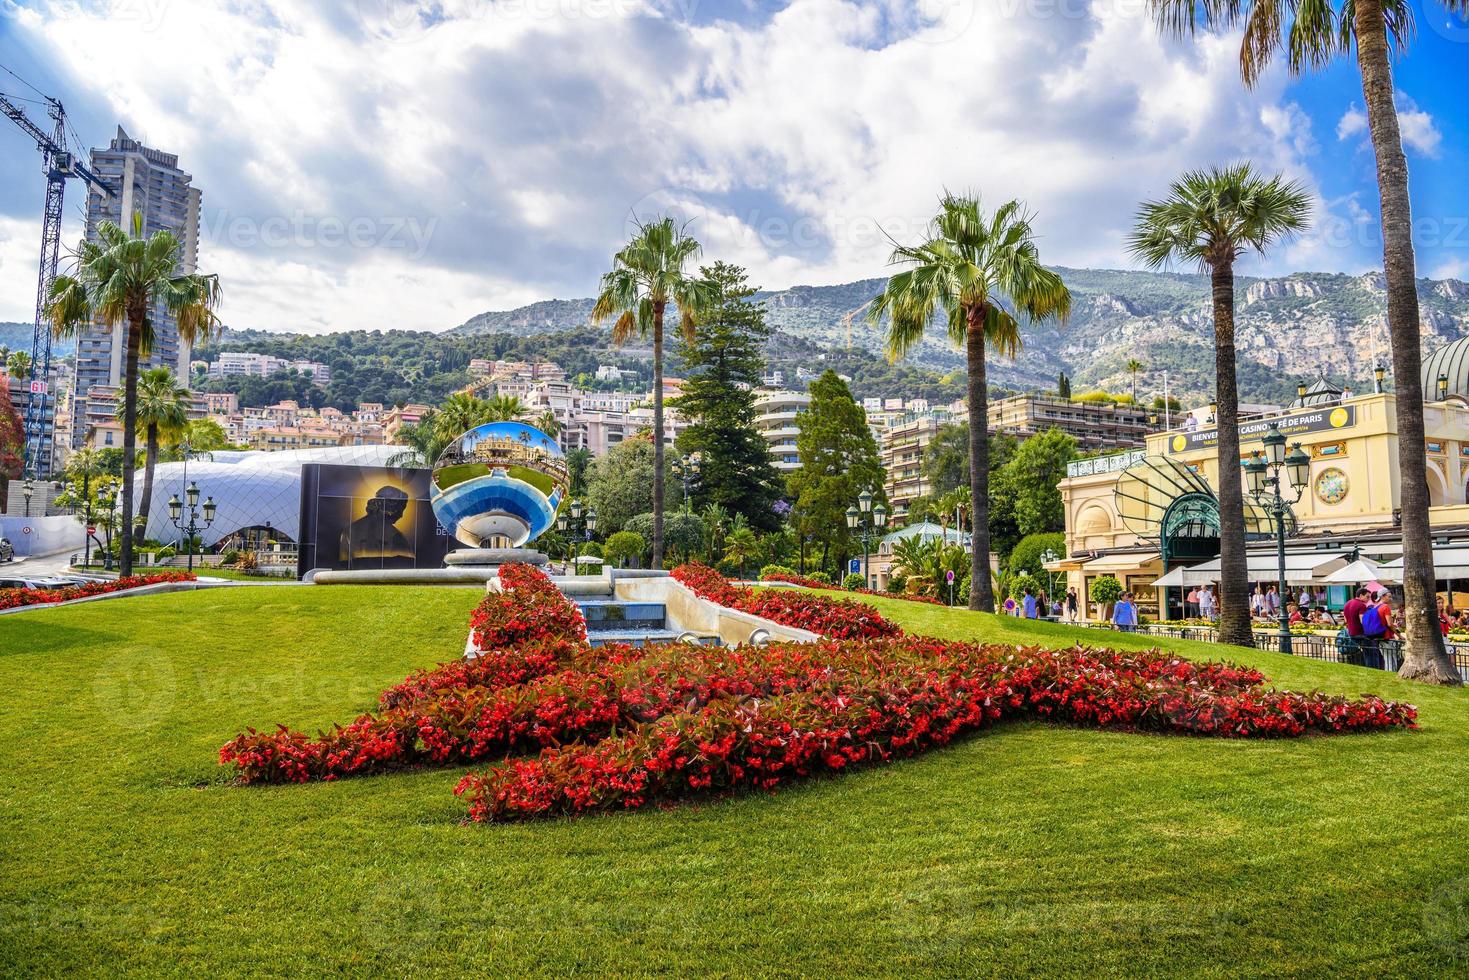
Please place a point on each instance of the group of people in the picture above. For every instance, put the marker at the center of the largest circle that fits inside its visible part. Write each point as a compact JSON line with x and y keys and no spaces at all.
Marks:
{"x":1201,"y":603}
{"x":1037,"y":605}
{"x":1368,"y":620}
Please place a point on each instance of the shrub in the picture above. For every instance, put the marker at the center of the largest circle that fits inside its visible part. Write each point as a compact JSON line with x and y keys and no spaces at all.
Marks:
{"x":625,"y":546}
{"x":821,"y":577}
{"x":1106,"y":589}
{"x":777,"y":573}
{"x":854,"y":582}
{"x":1026,"y":556}
{"x":230,"y":556}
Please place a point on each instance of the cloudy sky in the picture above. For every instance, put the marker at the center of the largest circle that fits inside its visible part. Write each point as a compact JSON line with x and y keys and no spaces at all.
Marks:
{"x":380,"y":163}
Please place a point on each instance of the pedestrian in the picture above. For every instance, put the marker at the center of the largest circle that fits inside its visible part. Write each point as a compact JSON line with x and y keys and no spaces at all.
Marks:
{"x":1124,"y":614}
{"x":1355,"y":648}
{"x":1272,"y":602}
{"x":1191,"y":604}
{"x":1305,"y":600}
{"x":1071,"y":605}
{"x":1445,"y":620}
{"x":1208,"y":605}
{"x":1029,"y":601}
{"x":1257,"y":602}
{"x":1377,"y":625}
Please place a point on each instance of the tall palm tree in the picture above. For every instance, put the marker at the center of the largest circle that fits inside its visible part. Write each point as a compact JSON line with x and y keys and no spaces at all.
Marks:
{"x":163,"y":411}
{"x":1210,"y":219}
{"x":1133,"y":367}
{"x":974,"y":270}
{"x":119,"y":278}
{"x":547,"y":423}
{"x":1311,"y":34}
{"x":647,"y":274}
{"x":18,"y":364}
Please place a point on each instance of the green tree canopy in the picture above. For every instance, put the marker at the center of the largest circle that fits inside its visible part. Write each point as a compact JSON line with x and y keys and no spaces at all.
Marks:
{"x":1029,"y":481}
{"x":724,"y":364}
{"x":838,"y":462}
{"x":620,"y":484}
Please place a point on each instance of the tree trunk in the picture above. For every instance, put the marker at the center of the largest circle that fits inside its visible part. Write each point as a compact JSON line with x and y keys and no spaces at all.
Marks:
{"x":658,"y":435}
{"x":130,"y":434}
{"x":1424,"y":656}
{"x":149,"y":461}
{"x":981,"y":589}
{"x":1234,"y":606}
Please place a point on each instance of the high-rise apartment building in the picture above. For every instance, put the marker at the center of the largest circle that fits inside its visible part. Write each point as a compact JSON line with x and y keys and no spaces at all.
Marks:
{"x":147,"y":182}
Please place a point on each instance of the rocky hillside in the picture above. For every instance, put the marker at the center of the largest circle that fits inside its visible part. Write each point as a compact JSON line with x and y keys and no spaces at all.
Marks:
{"x":1287,"y":328}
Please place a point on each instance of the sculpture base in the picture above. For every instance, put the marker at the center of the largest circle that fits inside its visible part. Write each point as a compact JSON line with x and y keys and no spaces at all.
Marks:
{"x":493,"y":557}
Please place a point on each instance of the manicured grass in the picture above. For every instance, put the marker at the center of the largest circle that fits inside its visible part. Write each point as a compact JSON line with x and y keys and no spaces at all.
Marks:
{"x":1027,"y":849}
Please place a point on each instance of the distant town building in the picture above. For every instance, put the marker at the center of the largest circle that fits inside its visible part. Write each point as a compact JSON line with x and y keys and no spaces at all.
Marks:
{"x":99,"y":425}
{"x":1094,"y":425}
{"x":611,"y":372}
{"x":233,"y":364}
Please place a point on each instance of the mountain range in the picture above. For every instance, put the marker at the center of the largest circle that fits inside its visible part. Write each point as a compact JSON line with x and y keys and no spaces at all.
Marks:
{"x":1287,"y":328}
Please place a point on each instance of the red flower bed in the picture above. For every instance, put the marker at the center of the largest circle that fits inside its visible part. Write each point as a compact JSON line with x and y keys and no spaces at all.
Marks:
{"x":12,"y":598}
{"x":811,"y":583}
{"x":839,"y":619}
{"x":619,"y":727}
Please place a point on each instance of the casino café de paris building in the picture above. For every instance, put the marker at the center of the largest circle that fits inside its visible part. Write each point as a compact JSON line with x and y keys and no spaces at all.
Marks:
{"x":1140,"y":515}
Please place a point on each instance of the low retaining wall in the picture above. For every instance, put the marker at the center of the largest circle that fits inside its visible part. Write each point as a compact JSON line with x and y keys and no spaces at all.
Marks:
{"x":700,"y":615}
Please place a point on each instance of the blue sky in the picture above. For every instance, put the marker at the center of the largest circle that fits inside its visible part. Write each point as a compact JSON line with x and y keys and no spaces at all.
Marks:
{"x":376,"y":163}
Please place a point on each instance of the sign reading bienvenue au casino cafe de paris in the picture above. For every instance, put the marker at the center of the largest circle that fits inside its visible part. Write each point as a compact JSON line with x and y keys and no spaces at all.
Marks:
{"x":1324,"y":419}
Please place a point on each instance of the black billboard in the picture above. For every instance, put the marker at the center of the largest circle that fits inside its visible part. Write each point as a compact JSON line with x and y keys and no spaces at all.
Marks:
{"x":368,"y":517}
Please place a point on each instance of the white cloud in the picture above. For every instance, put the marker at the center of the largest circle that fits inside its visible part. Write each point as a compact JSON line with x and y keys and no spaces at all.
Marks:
{"x":20,"y":244}
{"x":1418,"y":129}
{"x":522,"y":135}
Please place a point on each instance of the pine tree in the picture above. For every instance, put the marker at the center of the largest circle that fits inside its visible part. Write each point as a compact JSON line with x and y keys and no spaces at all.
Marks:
{"x":838,"y":461}
{"x":725,"y":362}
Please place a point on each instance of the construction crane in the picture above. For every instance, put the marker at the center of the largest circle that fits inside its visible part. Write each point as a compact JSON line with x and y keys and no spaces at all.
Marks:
{"x":59,"y":165}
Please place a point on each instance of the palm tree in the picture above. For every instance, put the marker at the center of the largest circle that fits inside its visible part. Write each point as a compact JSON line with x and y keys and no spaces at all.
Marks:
{"x":1311,"y":35}
{"x":647,"y":275}
{"x":547,"y":423}
{"x":740,"y":547}
{"x":460,"y":413}
{"x":505,"y":408}
{"x":1133,"y":367}
{"x":18,"y":365}
{"x":1211,"y":218}
{"x":120,"y":277}
{"x":974,"y":270}
{"x":424,"y":440}
{"x":716,"y":520}
{"x":163,"y":411}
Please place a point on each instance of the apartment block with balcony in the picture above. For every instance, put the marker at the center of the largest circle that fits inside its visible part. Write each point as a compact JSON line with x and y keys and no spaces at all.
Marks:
{"x":775,"y":416}
{"x":1094,"y":425}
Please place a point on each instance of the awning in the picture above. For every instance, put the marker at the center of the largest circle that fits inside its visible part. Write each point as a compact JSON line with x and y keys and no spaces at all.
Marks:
{"x":1120,"y":562}
{"x":1301,"y":567}
{"x":1182,"y":578}
{"x":1448,"y":563}
{"x":1363,"y":570}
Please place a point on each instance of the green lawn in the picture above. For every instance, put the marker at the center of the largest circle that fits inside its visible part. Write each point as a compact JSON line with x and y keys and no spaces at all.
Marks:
{"x":1027,"y":849}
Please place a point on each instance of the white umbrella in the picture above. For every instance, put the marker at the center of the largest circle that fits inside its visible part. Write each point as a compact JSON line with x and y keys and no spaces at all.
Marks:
{"x":589,"y":560}
{"x":1182,"y":577}
{"x":1363,"y":570}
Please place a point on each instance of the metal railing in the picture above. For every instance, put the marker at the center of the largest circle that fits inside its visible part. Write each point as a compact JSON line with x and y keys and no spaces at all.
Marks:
{"x":1111,"y":463}
{"x":1387,"y":655}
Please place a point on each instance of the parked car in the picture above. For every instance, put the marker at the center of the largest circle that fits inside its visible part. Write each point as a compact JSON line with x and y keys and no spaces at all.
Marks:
{"x":39,"y":582}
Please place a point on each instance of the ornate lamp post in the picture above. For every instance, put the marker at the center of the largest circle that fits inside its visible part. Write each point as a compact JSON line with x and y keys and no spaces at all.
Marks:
{"x":1379,"y":375}
{"x":27,"y":490}
{"x":1264,"y":473}
{"x":1049,"y":557}
{"x":111,"y":522}
{"x":192,"y":527}
{"x":583,"y":523}
{"x":866,"y":518}
{"x":686,"y":468}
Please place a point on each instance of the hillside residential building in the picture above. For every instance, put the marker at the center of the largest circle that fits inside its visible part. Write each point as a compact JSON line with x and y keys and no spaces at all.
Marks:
{"x":147,"y":182}
{"x":1094,"y":425}
{"x":100,"y":426}
{"x":242,"y":364}
{"x":775,"y":417}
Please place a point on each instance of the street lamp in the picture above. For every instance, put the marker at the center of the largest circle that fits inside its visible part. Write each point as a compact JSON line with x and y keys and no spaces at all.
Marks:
{"x":1264,"y":474}
{"x":1049,"y":557}
{"x":1443,"y":387}
{"x":686,"y":468}
{"x":1379,"y":375}
{"x":866,"y":518}
{"x":192,"y":527}
{"x":28,"y":490}
{"x":584,"y":524}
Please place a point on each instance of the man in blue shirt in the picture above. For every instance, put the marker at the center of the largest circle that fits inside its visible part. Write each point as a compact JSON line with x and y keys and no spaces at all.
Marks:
{"x":1029,"y":605}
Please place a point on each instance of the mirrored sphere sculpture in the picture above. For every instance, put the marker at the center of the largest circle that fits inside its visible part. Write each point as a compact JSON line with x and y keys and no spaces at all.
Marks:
{"x":499,"y":485}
